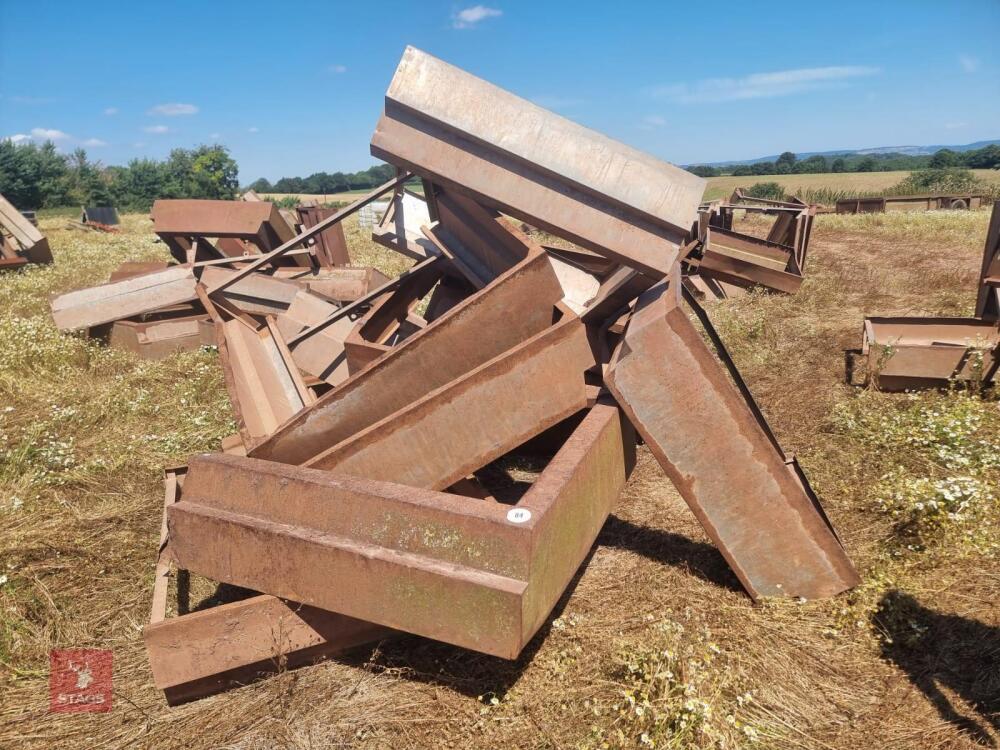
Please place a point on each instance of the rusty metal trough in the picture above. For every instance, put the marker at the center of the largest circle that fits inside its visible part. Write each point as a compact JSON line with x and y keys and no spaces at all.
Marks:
{"x":20,"y":241}
{"x":912,"y":353}
{"x":725,"y":259}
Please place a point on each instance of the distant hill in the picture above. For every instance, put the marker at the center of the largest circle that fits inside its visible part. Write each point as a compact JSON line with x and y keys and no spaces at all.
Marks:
{"x":905,"y":150}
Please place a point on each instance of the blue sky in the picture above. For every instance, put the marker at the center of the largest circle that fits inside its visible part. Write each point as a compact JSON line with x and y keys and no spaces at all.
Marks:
{"x":297,"y":88}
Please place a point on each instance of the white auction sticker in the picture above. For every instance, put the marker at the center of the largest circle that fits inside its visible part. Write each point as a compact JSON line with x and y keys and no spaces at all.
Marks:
{"x":518,"y":515}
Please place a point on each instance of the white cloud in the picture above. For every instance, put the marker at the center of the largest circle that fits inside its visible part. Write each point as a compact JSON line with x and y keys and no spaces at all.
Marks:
{"x":253,"y":130}
{"x":469,"y":17}
{"x":156,"y":129}
{"x":337,"y":68}
{"x":139,"y":144}
{"x":762,"y":85}
{"x":214,"y":136}
{"x":651,"y":122}
{"x":110,"y":111}
{"x":173,"y":109}
{"x":52,"y":134}
{"x":969,"y":63}
{"x":49,"y":134}
{"x":956,"y":125}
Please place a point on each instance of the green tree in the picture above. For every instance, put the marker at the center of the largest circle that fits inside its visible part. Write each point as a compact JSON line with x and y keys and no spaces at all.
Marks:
{"x":214,"y":173}
{"x":868,"y":164}
{"x":838,"y":165}
{"x":983,"y":158}
{"x":703,"y":170}
{"x":787,"y":159}
{"x":943,"y":159}
{"x":813,"y":165}
{"x":260,"y":185}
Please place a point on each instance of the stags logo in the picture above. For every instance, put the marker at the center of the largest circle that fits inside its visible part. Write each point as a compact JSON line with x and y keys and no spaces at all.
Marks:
{"x":80,"y":680}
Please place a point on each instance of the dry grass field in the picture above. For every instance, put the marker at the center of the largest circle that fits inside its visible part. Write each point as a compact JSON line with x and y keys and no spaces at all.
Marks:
{"x":655,"y":645}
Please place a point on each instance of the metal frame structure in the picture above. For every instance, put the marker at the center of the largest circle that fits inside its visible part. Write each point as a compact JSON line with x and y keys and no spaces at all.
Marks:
{"x":910,"y":353}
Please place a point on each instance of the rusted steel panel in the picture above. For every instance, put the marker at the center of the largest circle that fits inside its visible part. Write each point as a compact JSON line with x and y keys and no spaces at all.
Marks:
{"x":237,"y":226}
{"x":393,"y":554}
{"x":339,"y":284}
{"x":259,"y":222}
{"x":988,"y":298}
{"x":331,"y":244}
{"x":124,"y":299}
{"x":383,"y":321}
{"x":204,"y":652}
{"x":571,"y":500}
{"x":492,"y":244}
{"x":908,"y":353}
{"x":468,"y":135}
{"x":131,"y":268}
{"x":746,"y":273}
{"x":306,"y":309}
{"x":762,"y":252}
{"x":462,"y":426}
{"x":256,"y":295}
{"x":25,"y":240}
{"x":614,"y":293}
{"x":742,"y":260}
{"x":264,"y":386}
{"x":448,"y":293}
{"x":515,"y":307}
{"x":157,"y":339}
{"x":739,"y":196}
{"x":721,"y":458}
{"x":861,"y":206}
{"x":272,"y":258}
{"x":323,"y":355}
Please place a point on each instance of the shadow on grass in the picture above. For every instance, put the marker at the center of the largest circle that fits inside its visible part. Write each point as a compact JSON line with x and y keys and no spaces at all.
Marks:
{"x":938,"y":650}
{"x":698,"y":558}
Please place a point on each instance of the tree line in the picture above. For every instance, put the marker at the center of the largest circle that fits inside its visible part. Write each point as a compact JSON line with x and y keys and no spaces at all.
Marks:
{"x":987,"y":157}
{"x":323,"y":183}
{"x":34,"y":176}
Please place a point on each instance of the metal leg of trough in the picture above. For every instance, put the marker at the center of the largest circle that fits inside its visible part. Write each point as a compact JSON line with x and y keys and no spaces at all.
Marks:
{"x":204,"y":652}
{"x":714,"y":444}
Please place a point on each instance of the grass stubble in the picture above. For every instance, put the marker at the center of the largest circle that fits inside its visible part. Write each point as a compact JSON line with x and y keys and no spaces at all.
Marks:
{"x":653,"y":646}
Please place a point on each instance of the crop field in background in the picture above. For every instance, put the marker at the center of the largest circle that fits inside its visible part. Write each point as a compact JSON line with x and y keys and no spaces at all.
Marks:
{"x":654,"y":645}
{"x":848,"y":182}
{"x":851,"y":183}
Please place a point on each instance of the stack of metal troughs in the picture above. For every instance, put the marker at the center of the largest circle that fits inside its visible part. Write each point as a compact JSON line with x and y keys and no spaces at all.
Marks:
{"x":20,"y":241}
{"x":157,"y":308}
{"x":913,"y":353}
{"x":725,"y":262}
{"x":371,"y":510}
